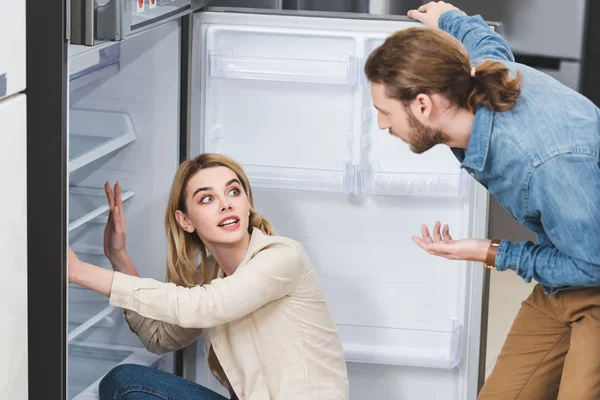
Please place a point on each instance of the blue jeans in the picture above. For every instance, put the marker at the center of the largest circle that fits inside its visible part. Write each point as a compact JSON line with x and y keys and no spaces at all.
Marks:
{"x":137,"y":382}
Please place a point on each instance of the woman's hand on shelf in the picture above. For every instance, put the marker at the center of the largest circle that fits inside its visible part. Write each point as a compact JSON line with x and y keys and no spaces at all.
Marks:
{"x":115,"y":232}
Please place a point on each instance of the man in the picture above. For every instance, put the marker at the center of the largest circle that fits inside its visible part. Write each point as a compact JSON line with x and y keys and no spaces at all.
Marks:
{"x":534,"y":144}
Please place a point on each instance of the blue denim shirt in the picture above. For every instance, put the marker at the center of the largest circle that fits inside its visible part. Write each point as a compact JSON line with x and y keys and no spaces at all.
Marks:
{"x":540,"y":161}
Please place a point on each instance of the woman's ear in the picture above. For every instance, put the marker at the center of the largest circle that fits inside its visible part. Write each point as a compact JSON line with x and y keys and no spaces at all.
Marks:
{"x":184,"y":222}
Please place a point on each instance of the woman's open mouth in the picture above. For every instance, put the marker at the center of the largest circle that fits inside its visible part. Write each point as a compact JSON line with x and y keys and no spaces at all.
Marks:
{"x":229,"y":223}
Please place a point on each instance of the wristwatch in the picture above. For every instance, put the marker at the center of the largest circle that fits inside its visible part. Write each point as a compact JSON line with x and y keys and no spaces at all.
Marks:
{"x":490,"y":260}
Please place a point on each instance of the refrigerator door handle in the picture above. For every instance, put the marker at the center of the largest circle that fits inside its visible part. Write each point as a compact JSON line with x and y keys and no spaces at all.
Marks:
{"x":82,"y":22}
{"x":93,"y":21}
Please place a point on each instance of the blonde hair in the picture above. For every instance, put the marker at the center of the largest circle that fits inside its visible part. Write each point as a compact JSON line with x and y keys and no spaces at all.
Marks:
{"x":183,"y":248}
{"x":423,"y":60}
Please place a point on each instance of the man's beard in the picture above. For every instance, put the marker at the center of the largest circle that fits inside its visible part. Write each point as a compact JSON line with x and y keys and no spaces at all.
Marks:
{"x":423,"y":138}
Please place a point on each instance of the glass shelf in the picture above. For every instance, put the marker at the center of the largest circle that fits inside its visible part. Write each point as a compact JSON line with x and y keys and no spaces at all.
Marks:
{"x":86,"y":204}
{"x":224,"y":64}
{"x":94,"y":134}
{"x":397,"y":346}
{"x":88,"y":309}
{"x":89,"y":362}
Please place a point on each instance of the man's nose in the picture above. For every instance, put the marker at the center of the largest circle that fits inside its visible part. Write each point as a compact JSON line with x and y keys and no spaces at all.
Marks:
{"x":382,"y":121}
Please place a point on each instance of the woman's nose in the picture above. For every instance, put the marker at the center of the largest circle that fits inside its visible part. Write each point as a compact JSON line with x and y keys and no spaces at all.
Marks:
{"x":226,"y":206}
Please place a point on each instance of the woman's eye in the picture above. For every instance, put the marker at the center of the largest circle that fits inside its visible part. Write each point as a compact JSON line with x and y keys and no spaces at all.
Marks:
{"x":206,"y":199}
{"x":234,"y":192}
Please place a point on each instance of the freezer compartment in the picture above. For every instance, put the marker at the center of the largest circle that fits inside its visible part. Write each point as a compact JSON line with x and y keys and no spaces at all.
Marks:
{"x":88,"y":203}
{"x":89,"y":362}
{"x":397,"y":346}
{"x":95,"y":134}
{"x":225,"y":64}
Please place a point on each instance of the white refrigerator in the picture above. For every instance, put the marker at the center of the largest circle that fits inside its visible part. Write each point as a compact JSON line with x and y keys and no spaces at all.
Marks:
{"x":284,"y":94}
{"x":13,"y":202}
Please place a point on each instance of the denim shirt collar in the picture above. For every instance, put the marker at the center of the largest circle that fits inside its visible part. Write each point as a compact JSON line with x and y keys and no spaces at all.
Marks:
{"x":476,"y":154}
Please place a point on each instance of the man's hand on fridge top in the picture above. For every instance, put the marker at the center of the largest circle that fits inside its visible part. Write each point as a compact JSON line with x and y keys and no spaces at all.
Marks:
{"x":442,"y":245}
{"x":429,"y":13}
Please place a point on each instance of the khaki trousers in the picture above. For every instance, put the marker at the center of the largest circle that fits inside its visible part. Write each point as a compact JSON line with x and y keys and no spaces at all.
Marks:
{"x":552,"y":350}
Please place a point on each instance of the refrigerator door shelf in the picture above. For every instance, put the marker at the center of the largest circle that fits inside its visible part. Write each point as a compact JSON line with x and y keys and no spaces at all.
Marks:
{"x":359,"y":180}
{"x":407,"y":347}
{"x":301,"y":179}
{"x":93,"y":66}
{"x":89,"y":362}
{"x":224,"y":64}
{"x":86,"y":204}
{"x":387,"y":183}
{"x":95,"y":134}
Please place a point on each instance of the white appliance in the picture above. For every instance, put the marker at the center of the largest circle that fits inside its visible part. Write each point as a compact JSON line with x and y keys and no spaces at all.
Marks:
{"x":13,"y":202}
{"x":284,"y":94}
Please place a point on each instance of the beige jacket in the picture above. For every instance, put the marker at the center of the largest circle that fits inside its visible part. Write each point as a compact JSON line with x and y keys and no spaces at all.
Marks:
{"x":268,"y":323}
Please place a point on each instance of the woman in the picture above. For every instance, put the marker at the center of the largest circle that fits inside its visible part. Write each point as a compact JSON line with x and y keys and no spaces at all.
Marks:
{"x":256,"y":298}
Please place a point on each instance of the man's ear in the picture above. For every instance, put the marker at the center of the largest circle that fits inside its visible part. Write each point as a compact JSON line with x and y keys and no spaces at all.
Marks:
{"x":184,"y":222}
{"x":422,"y":107}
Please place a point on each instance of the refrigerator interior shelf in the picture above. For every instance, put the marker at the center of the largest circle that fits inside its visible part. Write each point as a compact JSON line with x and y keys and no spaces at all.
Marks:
{"x":94,"y":134}
{"x":89,"y":362}
{"x":93,"y":66}
{"x":96,"y":318}
{"x":417,"y":184}
{"x":85,"y":204}
{"x":224,"y":64}
{"x":88,"y":309}
{"x":87,"y":249}
{"x":301,"y":179}
{"x":407,"y":347}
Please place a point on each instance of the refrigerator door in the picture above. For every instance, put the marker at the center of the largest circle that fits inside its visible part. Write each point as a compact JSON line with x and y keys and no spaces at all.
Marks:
{"x":123,"y":126}
{"x":283,"y":93}
{"x":12,"y":47}
{"x":13,"y":247}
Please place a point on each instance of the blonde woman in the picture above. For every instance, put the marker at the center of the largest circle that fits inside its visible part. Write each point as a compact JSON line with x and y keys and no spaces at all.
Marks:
{"x":255,"y":297}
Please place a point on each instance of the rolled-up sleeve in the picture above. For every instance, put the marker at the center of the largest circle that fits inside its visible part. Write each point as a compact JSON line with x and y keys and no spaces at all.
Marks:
{"x":564,"y":193}
{"x":272,"y":273}
{"x":160,"y":337}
